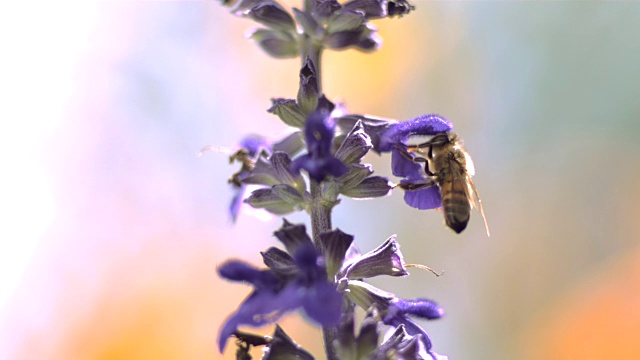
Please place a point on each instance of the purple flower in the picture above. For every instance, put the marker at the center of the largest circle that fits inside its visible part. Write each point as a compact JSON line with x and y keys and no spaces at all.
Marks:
{"x":420,"y":191}
{"x":399,"y":133}
{"x":400,"y":309}
{"x":264,"y":162}
{"x":252,"y":145}
{"x":319,"y":162}
{"x":396,"y":312}
{"x":275,"y":294}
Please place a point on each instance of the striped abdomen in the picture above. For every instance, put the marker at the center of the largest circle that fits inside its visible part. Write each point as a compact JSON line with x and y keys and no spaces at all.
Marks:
{"x":455,"y":203}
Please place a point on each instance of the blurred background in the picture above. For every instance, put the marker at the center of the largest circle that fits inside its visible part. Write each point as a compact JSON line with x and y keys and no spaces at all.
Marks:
{"x":112,"y":227}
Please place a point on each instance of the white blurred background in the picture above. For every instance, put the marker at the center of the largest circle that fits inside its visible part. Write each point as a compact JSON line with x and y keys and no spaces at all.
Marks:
{"x":112,"y":227}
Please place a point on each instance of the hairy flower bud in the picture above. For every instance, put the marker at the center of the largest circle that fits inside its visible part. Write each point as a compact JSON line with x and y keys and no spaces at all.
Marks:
{"x":323,"y":9}
{"x":308,"y":24}
{"x":364,"y":38}
{"x":386,"y":259}
{"x":308,"y":92}
{"x":278,"y":44}
{"x":355,"y":145}
{"x":288,"y":111}
{"x":354,"y":176}
{"x":345,"y":20}
{"x":272,"y":15}
{"x":274,"y":200}
{"x":372,"y":9}
{"x":335,"y":244}
{"x":374,"y":186}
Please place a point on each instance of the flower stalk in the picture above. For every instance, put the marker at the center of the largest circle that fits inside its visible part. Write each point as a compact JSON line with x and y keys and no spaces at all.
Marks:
{"x":323,"y":274}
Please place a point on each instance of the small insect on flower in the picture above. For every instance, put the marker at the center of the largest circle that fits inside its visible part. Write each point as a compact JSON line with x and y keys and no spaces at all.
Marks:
{"x":450,"y":167}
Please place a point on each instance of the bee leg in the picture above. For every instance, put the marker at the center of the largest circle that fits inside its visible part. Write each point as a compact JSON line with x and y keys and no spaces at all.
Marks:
{"x":404,"y":153}
{"x":417,"y":185}
{"x":417,"y":159}
{"x":426,"y":168}
{"x":408,"y":155}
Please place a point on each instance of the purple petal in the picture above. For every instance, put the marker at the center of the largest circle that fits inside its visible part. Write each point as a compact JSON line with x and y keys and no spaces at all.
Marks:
{"x":318,"y":132}
{"x":322,"y":303}
{"x":403,"y":167}
{"x":423,"y":199}
{"x":430,"y":124}
{"x":319,"y":167}
{"x":253,"y":144}
{"x":420,"y":307}
{"x":235,"y":270}
{"x":306,"y":257}
{"x":259,"y":309}
{"x":236,"y":203}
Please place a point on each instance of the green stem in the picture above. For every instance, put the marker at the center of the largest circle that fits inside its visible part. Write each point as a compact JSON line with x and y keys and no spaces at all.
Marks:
{"x":321,"y":222}
{"x":320,"y":211}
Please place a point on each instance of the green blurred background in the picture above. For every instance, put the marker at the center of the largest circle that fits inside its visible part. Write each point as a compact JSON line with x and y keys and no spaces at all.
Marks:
{"x":110,"y":253}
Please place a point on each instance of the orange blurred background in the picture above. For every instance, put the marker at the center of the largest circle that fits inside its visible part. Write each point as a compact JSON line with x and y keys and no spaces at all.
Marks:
{"x":112,"y":227}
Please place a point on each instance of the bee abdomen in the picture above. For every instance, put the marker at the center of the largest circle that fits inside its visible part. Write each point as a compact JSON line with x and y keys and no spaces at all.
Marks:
{"x":456,"y":208}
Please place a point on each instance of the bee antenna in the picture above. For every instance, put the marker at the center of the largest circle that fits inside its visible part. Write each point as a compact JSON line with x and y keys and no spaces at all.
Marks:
{"x":486,"y":226}
{"x":423,"y":267}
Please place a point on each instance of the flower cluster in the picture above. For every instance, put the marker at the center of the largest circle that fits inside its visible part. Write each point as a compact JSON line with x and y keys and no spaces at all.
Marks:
{"x":324,"y":274}
{"x":327,"y":23}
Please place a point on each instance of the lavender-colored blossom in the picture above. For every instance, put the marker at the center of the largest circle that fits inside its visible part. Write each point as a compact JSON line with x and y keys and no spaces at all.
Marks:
{"x":253,"y":144}
{"x":396,"y":312}
{"x":266,"y":162}
{"x":400,"y":309}
{"x":399,"y":133}
{"x":420,"y":191}
{"x":274,"y":295}
{"x":423,"y":199}
{"x":319,"y":162}
{"x":405,"y":346}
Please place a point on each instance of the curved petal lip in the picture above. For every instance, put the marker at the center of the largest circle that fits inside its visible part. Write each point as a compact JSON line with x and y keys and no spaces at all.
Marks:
{"x":424,"y":199}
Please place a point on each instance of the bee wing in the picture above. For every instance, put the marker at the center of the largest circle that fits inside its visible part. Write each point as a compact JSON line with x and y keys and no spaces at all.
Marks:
{"x":474,"y":200}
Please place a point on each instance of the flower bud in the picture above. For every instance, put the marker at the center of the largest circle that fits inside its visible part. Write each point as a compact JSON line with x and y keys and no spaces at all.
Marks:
{"x":345,"y":20}
{"x":372,"y":9}
{"x":356,"y":174}
{"x":366,"y":295}
{"x":355,"y":145}
{"x":292,"y":236}
{"x":272,"y":15}
{"x":288,"y":111}
{"x":308,"y":92}
{"x":271,"y":201}
{"x":374,"y":186}
{"x":278,"y":44}
{"x":279,"y":261}
{"x":308,"y":24}
{"x":363,"y":38}
{"x":323,"y":9}
{"x":335,"y":244}
{"x":281,"y":165}
{"x":386,"y":259}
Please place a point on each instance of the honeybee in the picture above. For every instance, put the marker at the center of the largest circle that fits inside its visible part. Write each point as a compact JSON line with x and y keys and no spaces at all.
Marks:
{"x":450,"y":167}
